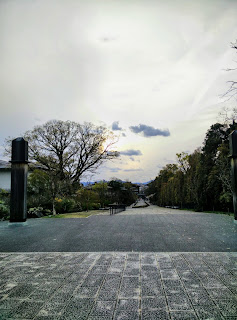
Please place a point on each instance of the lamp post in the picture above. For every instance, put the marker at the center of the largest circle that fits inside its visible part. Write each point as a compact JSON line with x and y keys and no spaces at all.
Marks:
{"x":19,"y":171}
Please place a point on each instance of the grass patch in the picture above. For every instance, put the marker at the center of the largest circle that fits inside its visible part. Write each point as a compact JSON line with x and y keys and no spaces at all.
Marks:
{"x":206,"y":211}
{"x":83,"y":214}
{"x":221,"y":212}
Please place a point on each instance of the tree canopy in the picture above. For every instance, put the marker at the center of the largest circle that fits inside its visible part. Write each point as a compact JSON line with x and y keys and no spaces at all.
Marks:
{"x":200,"y":180}
{"x":68,"y":149}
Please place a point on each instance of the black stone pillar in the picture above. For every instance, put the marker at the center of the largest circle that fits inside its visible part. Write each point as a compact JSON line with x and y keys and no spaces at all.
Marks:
{"x":233,"y":156}
{"x":19,"y":171}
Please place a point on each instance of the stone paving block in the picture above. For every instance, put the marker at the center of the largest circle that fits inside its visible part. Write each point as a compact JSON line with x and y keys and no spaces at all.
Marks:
{"x":126,"y":315}
{"x":158,"y":302}
{"x":86,"y":292}
{"x":115,"y":270}
{"x":100,"y":318}
{"x":155,"y":315}
{"x":228,"y":307}
{"x":220,"y":293}
{"x":47,"y":318}
{"x":151,"y":291}
{"x":133,"y":257}
{"x":192,"y":284}
{"x":9,"y":304}
{"x":128,"y":304}
{"x":130,"y":282}
{"x":78,"y":278}
{"x":61,"y":297}
{"x":165,"y":266}
{"x":229,"y":280}
{"x":51,"y":308}
{"x":200,"y":297}
{"x":208,"y":312}
{"x":129,"y":293}
{"x":169,"y":274}
{"x":80,"y":308}
{"x":148,"y":259}
{"x":26,"y":310}
{"x":233,"y":289}
{"x":41,"y":295}
{"x":187,"y":274}
{"x":178,"y":302}
{"x":111,"y":285}
{"x":183,"y":315}
{"x":98,"y":270}
{"x":107,"y":295}
{"x":77,"y":315}
{"x":49,"y":285}
{"x":103,"y":308}
{"x":175,"y":290}
{"x":93,"y":281}
{"x":7,"y":287}
{"x":150,"y":277}
{"x":5,"y":314}
{"x":172,"y":283}
{"x":212,"y":282}
{"x":21,"y":290}
{"x":132,"y":272}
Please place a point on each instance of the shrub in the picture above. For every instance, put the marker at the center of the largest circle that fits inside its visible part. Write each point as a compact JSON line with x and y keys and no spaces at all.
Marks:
{"x":4,"y":210}
{"x":95,"y":206}
{"x":66,"y":205}
{"x":36,"y":212}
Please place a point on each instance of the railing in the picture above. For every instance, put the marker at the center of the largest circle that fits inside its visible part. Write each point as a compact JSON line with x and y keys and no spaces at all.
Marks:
{"x":116,"y":208}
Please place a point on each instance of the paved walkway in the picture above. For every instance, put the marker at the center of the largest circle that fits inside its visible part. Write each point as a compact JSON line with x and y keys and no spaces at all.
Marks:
{"x":150,"y":229}
{"x":154,"y":210}
{"x":118,"y":286}
{"x":176,"y":272}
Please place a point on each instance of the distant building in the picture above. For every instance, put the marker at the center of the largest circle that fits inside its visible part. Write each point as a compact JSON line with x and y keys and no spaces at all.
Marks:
{"x":5,"y":175}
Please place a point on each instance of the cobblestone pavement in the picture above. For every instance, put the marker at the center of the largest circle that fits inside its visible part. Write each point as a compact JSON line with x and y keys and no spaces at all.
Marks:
{"x":118,"y":285}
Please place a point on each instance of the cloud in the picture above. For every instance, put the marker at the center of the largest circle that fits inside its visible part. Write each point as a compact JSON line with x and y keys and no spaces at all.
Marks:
{"x":108,"y":38}
{"x":130,"y":170}
{"x":149,"y":131}
{"x":115,"y":126}
{"x":131,"y":152}
{"x":123,"y":134}
{"x":114,"y":169}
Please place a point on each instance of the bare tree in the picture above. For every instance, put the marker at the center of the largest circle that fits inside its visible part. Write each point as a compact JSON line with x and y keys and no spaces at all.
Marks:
{"x":232,"y":91}
{"x":69,"y":149}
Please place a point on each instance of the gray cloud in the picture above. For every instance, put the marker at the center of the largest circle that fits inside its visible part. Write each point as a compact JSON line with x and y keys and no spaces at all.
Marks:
{"x":114,"y":169}
{"x":130,"y":170}
{"x":123,"y":134}
{"x":115,"y":126}
{"x":149,"y":131}
{"x":131,"y":152}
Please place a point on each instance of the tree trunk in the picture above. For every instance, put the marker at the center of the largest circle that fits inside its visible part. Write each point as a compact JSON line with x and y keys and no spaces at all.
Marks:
{"x":54,"y":210}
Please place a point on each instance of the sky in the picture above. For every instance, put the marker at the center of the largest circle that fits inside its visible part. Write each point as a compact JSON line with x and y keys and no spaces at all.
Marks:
{"x":153,"y":72}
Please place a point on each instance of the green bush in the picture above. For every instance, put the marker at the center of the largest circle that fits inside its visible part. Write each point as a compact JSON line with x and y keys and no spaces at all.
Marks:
{"x":36,"y":212}
{"x":67,"y":205}
{"x":47,"y":212}
{"x":4,"y":210}
{"x":95,"y":206}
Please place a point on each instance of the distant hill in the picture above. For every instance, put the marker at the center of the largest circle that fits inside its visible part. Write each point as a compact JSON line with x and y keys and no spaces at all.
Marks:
{"x":92,"y":182}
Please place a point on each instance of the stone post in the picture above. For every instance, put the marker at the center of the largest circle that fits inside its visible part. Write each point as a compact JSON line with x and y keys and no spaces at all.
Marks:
{"x":233,"y":157}
{"x":19,"y":171}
